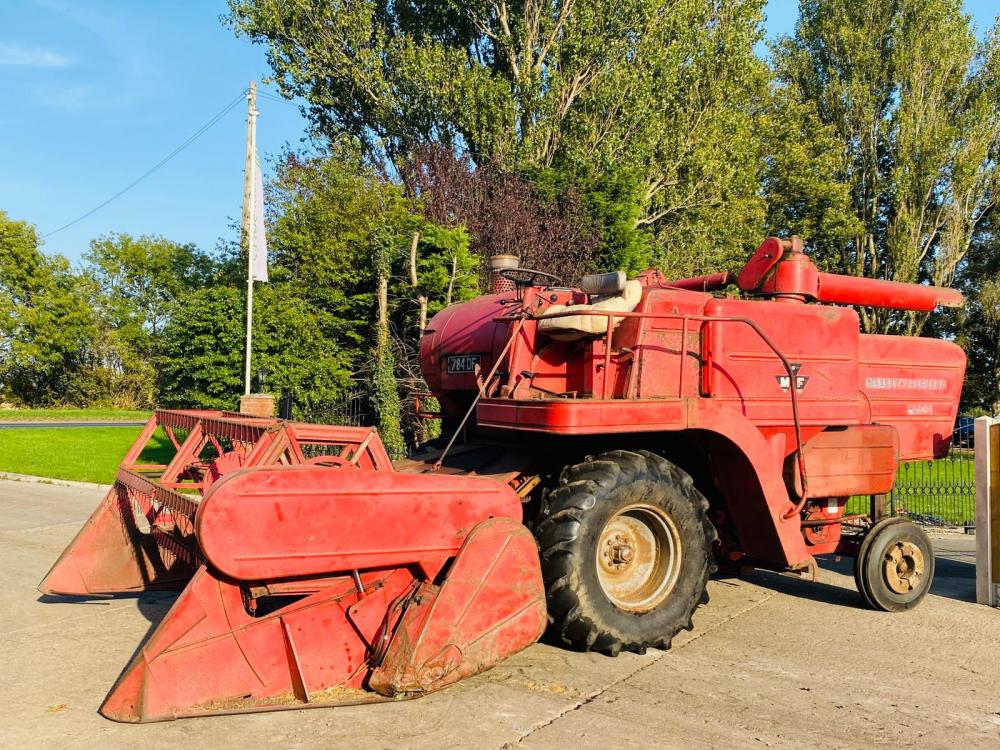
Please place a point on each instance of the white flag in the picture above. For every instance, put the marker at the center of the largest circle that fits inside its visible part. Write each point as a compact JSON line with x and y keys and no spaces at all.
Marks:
{"x":258,"y":246}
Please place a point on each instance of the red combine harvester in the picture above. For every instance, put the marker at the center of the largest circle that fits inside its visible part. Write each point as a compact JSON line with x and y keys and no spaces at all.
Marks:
{"x":609,"y":445}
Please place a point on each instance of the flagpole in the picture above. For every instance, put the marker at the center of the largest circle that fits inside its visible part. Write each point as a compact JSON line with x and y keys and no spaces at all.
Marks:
{"x":249,"y":220}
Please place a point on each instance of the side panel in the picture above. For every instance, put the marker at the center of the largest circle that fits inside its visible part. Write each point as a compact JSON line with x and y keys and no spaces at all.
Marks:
{"x":845,"y":461}
{"x":820,"y":342}
{"x":661,"y":344}
{"x":915,"y":385}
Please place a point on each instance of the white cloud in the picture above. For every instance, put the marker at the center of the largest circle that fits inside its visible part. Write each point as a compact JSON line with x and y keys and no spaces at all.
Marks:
{"x":31,"y":57}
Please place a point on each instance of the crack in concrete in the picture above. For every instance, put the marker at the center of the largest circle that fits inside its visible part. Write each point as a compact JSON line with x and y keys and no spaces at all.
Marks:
{"x":662,"y":655}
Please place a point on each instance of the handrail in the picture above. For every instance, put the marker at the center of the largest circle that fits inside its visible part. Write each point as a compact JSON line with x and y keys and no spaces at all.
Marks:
{"x":611,"y":316}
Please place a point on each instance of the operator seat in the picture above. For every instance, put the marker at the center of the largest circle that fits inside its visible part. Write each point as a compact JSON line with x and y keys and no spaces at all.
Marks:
{"x":608,"y":292}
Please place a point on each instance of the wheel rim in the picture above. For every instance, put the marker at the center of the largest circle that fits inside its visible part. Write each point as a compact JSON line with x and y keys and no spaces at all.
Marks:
{"x":903,"y":567}
{"x":639,"y":557}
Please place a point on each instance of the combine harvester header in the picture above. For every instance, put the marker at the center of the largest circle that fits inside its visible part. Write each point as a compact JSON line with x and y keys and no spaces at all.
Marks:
{"x":299,"y":590}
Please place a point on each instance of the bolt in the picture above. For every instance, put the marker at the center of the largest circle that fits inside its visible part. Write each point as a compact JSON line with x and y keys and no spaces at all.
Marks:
{"x":621,"y":551}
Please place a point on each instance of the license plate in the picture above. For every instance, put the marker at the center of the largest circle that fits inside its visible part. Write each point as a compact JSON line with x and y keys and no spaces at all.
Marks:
{"x":463,"y":363}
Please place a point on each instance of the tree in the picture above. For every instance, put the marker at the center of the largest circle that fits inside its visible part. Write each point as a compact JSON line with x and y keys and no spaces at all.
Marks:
{"x":47,"y":325}
{"x":543,"y":225}
{"x":137,"y":282}
{"x":912,"y":99}
{"x":327,"y":211}
{"x":201,"y":350}
{"x":976,"y":327}
{"x":803,"y":183}
{"x":140,"y":279}
{"x":384,"y":389}
{"x":661,"y":91}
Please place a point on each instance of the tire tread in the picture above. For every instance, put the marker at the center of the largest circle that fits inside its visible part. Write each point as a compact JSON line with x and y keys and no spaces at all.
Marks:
{"x":572,"y":614}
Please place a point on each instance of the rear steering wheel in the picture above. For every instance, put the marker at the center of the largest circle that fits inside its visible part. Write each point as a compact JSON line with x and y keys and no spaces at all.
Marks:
{"x":523,"y":277}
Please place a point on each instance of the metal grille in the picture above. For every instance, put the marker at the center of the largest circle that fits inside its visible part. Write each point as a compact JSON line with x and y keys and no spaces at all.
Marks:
{"x":355,"y":410}
{"x":938,"y":493}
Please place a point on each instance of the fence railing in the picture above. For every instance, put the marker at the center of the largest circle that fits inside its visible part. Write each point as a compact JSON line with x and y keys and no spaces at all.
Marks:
{"x":938,"y":493}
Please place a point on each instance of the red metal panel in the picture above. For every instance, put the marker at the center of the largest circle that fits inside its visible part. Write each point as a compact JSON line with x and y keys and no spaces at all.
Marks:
{"x":209,"y":654}
{"x":259,"y":524}
{"x":913,"y":384}
{"x":668,"y":340}
{"x":751,"y":482}
{"x":583,"y":416}
{"x":491,"y":605}
{"x":110,"y":554}
{"x":840,"y":462}
{"x":822,"y":342}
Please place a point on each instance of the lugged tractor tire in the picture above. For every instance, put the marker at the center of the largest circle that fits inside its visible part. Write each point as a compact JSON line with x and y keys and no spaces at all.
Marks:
{"x":614,"y":511}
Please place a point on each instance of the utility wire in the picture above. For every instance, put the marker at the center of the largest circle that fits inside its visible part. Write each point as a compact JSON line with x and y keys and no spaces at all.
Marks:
{"x":273,"y":98}
{"x":191,"y":139}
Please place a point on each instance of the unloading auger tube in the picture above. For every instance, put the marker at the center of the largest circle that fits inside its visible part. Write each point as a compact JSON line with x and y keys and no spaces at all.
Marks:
{"x":629,"y":436}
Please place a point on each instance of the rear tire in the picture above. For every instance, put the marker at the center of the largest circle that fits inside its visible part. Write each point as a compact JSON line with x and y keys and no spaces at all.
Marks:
{"x":895,"y":566}
{"x":626,"y":553}
{"x":860,"y":577}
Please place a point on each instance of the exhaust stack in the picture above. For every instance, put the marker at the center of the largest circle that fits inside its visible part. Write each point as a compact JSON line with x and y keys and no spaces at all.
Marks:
{"x":498,"y":263}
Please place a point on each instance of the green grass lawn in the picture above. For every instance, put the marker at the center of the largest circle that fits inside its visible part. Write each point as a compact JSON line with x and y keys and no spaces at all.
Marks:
{"x":84,"y":454}
{"x":73,"y":415}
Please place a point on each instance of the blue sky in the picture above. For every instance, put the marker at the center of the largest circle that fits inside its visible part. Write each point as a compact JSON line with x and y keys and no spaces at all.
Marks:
{"x":93,"y":93}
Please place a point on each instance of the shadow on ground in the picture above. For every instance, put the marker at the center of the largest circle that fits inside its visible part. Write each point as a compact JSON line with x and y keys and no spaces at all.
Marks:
{"x":953,"y":579}
{"x":151,"y":605}
{"x":805,"y":589}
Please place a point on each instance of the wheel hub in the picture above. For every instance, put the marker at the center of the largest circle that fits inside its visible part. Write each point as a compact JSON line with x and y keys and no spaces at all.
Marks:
{"x":618,"y":552}
{"x":903,"y":567}
{"x":638,"y":557}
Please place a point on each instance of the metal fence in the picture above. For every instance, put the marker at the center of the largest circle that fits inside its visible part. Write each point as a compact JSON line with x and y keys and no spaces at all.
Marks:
{"x":938,"y":493}
{"x":355,"y":410}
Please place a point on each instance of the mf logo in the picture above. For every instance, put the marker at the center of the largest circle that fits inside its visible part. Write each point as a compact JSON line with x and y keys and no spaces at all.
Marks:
{"x":800,"y":380}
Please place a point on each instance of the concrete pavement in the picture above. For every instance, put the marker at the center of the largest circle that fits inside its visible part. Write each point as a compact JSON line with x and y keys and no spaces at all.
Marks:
{"x":773,"y":662}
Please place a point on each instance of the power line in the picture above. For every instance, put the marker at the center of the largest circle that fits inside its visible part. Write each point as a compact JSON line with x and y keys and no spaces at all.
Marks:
{"x":273,"y":98}
{"x":191,"y":139}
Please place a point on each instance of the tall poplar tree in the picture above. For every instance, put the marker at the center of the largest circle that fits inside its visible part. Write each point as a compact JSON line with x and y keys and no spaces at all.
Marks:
{"x":912,"y":99}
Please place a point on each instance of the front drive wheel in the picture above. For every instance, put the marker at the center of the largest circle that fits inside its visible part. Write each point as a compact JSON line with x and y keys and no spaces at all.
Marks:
{"x":626,"y":552}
